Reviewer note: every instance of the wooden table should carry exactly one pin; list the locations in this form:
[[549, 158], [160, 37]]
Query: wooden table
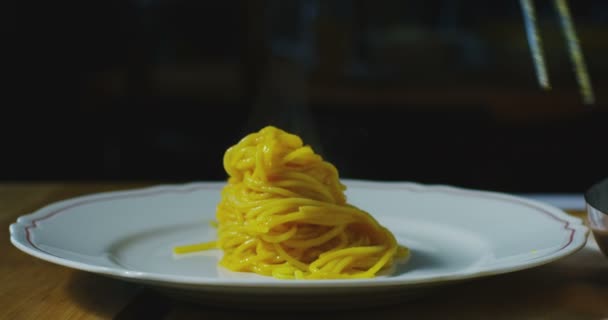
[[573, 288]]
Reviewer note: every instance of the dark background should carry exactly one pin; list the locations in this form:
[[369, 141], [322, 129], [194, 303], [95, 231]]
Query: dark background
[[427, 91]]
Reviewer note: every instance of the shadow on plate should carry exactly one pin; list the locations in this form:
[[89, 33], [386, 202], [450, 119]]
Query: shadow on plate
[[418, 260]]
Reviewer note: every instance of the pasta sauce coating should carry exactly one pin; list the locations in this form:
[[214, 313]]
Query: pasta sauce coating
[[283, 213]]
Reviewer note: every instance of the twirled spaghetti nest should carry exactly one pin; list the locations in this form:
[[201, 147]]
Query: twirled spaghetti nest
[[283, 213]]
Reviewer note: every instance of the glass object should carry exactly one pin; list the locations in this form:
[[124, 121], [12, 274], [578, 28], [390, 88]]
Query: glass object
[[596, 200]]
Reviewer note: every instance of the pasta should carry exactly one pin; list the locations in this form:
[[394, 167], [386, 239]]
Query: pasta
[[283, 213]]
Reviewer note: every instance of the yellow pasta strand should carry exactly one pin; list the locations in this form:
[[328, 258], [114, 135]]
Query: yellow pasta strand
[[283, 213], [194, 247]]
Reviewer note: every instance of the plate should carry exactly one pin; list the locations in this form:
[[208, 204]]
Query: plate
[[454, 234]]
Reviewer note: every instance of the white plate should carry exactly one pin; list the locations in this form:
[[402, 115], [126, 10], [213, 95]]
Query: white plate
[[454, 234]]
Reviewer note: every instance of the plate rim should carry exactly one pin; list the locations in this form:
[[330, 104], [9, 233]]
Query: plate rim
[[20, 236]]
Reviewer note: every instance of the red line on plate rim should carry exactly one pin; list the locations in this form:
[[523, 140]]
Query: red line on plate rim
[[480, 194], [410, 187], [126, 194]]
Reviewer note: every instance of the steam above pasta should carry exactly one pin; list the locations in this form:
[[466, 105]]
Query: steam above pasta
[[283, 213]]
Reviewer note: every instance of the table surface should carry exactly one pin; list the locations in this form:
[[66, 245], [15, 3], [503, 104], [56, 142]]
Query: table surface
[[575, 287]]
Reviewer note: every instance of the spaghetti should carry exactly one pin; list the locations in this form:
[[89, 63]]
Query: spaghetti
[[283, 213]]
